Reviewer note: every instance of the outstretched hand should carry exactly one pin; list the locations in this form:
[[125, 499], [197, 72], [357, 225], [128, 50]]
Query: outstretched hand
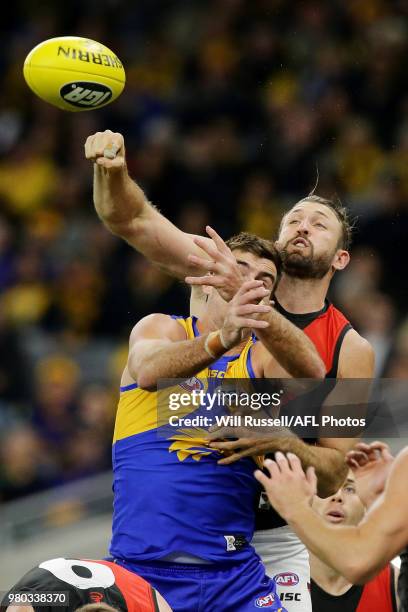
[[288, 487], [223, 271], [371, 464]]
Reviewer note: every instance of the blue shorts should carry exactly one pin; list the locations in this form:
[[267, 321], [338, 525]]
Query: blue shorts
[[243, 587]]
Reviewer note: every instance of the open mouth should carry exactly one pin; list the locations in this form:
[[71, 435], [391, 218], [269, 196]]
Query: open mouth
[[301, 243]]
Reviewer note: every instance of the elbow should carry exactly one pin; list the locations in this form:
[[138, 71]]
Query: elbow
[[312, 370], [358, 571], [317, 370], [122, 229], [146, 381]]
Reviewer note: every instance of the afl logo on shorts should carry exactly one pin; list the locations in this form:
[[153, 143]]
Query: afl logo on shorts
[[286, 579], [85, 94], [265, 602]]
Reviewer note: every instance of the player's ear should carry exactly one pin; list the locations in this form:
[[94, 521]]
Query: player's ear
[[341, 259]]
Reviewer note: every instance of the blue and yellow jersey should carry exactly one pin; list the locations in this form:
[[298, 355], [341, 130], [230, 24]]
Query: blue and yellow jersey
[[170, 495]]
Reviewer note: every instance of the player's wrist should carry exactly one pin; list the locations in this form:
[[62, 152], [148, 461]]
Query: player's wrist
[[298, 513], [216, 344]]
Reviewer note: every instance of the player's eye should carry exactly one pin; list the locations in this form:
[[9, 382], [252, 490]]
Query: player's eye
[[320, 225], [293, 221], [350, 490]]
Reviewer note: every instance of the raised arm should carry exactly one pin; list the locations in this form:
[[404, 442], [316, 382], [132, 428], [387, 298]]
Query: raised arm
[[124, 209], [358, 553]]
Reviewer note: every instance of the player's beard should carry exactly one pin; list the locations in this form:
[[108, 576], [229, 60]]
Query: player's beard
[[298, 265]]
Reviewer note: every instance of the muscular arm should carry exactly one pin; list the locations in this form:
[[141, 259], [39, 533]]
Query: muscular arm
[[328, 456], [158, 348], [359, 553], [124, 209], [288, 346]]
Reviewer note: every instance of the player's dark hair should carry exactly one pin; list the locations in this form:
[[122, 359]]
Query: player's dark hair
[[261, 247]]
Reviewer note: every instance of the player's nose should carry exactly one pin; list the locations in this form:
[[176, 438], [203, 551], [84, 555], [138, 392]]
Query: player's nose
[[303, 227], [337, 497]]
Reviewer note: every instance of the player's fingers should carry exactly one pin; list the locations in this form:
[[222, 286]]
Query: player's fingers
[[253, 294], [260, 325], [116, 163], [106, 141], [378, 446], [262, 478], [89, 147], [212, 280], [252, 323], [225, 445], [207, 246], [249, 285], [352, 463], [311, 477], [201, 262], [386, 455], [218, 241], [358, 457], [362, 446], [252, 308], [272, 467], [282, 462], [294, 462], [111, 150]]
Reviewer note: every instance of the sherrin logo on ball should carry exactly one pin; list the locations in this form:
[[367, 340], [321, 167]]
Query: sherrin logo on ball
[[74, 73]]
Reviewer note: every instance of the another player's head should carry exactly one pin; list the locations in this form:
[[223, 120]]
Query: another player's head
[[258, 259], [344, 507], [96, 607], [314, 238]]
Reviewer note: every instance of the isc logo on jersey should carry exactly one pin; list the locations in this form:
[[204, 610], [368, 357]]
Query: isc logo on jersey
[[286, 579], [265, 602]]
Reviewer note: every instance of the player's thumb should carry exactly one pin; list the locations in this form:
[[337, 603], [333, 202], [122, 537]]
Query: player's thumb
[[111, 164]]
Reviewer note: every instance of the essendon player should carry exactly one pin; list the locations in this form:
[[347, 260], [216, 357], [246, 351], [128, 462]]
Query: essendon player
[[357, 552], [314, 240], [332, 592], [67, 584]]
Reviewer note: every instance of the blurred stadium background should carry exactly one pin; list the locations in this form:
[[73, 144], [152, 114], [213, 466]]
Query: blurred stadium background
[[230, 108]]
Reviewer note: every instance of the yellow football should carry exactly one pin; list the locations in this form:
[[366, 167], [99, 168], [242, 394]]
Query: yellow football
[[74, 73]]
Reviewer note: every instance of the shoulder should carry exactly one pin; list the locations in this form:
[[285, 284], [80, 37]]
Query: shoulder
[[356, 359], [157, 325]]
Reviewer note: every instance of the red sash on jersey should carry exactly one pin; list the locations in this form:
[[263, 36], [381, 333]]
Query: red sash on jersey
[[137, 593], [379, 593], [327, 332]]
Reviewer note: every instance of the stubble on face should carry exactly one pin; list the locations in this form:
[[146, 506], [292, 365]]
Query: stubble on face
[[304, 265]]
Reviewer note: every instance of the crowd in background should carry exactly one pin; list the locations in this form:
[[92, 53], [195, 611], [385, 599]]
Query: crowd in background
[[232, 110]]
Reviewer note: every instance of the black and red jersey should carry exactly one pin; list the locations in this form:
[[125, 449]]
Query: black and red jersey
[[326, 328], [378, 595], [80, 582]]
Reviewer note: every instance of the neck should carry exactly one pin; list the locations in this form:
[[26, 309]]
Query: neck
[[301, 296], [327, 578]]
